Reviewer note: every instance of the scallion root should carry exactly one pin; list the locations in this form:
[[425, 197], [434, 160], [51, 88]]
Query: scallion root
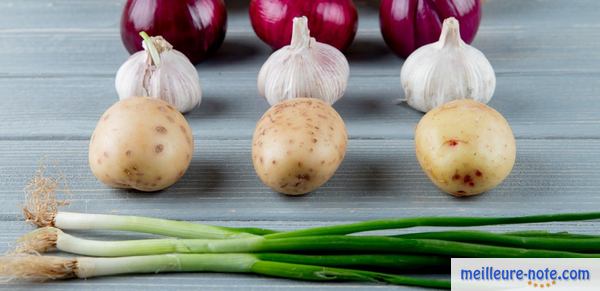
[[38, 241], [41, 204], [31, 267]]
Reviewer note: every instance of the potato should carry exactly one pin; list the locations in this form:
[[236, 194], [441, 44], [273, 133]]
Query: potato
[[298, 145], [141, 143], [465, 147]]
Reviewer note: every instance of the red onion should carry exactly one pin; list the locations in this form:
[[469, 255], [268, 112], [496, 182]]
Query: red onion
[[330, 21], [194, 27], [409, 24]]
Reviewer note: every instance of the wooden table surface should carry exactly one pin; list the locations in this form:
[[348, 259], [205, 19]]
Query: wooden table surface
[[58, 59]]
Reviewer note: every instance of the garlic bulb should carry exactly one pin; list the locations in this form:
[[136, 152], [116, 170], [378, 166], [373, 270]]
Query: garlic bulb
[[160, 72], [447, 70], [305, 68]]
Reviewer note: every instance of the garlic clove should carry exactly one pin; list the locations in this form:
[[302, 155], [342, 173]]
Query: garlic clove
[[447, 70], [305, 68], [161, 72]]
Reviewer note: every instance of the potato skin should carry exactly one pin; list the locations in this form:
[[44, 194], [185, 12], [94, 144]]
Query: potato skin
[[465, 147], [141, 143], [298, 145]]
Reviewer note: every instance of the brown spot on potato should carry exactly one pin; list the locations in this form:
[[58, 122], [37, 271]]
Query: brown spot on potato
[[161, 129], [128, 153], [180, 173], [105, 154], [471, 184], [314, 140], [461, 192], [159, 148], [452, 142], [170, 119], [322, 162], [304, 177], [274, 162], [284, 185], [456, 177], [300, 164], [478, 173], [99, 161], [183, 129], [162, 109], [127, 172], [170, 107], [467, 179]]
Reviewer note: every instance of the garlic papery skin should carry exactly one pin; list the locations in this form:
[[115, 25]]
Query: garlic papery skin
[[161, 72], [305, 68], [447, 70]]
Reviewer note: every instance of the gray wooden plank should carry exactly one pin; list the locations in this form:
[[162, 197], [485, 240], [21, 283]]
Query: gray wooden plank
[[56, 71], [550, 106], [379, 178]]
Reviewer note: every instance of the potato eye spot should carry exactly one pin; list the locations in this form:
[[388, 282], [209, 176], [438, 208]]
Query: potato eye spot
[[159, 148]]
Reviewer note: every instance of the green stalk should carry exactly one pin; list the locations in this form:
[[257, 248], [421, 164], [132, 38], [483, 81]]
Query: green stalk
[[543, 233], [482, 237], [155, 56], [396, 263], [317, 273], [431, 221], [356, 244], [234, 263]]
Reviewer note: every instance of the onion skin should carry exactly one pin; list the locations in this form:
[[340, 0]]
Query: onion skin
[[194, 27], [333, 22], [407, 25]]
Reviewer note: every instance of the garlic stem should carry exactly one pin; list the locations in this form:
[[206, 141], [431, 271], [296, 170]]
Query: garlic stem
[[155, 56], [450, 35], [300, 33]]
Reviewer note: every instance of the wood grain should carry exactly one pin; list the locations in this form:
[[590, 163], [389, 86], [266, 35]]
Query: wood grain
[[57, 64]]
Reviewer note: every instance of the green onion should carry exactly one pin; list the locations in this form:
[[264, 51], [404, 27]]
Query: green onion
[[347, 244], [172, 228], [48, 267]]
